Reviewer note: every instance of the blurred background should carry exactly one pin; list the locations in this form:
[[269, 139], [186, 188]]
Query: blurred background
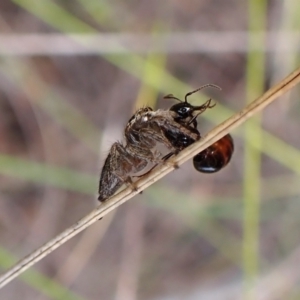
[[71, 75]]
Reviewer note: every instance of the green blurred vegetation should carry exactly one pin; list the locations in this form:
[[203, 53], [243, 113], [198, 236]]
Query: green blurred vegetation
[[151, 71]]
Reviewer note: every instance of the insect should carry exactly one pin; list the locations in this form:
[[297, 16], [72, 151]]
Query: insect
[[216, 156], [143, 132], [175, 129]]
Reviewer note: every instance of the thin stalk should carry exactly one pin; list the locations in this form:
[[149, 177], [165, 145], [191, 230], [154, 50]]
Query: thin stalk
[[159, 172]]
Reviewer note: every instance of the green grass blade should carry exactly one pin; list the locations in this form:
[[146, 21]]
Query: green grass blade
[[47, 175], [55, 15], [252, 189]]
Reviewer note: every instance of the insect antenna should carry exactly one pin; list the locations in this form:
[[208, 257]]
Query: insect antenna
[[201, 88], [171, 96]]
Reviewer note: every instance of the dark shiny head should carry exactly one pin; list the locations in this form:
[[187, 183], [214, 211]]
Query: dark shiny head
[[183, 110], [187, 113], [215, 157]]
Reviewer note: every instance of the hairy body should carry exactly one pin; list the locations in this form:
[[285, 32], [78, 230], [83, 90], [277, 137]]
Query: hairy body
[[144, 131], [175, 129]]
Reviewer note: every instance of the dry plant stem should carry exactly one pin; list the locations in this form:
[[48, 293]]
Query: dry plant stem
[[105, 207]]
